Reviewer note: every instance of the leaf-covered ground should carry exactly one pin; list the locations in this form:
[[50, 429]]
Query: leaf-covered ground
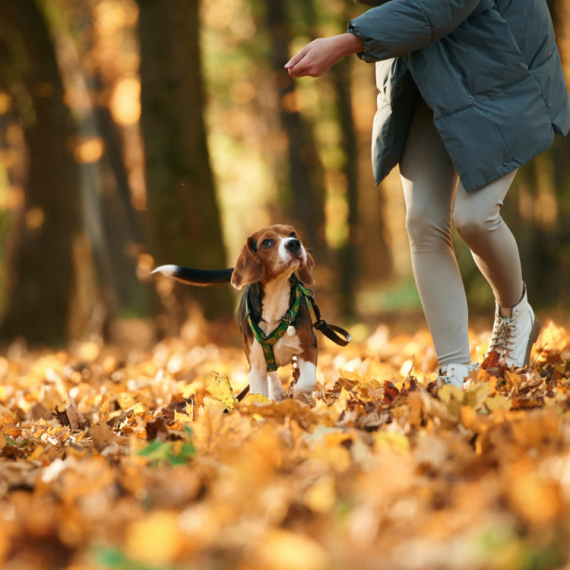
[[126, 460]]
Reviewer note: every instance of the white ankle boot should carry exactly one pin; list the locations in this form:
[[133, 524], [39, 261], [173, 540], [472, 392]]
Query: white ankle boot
[[514, 336], [455, 374]]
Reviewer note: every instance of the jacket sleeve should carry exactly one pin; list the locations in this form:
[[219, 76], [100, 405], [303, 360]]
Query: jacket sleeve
[[399, 27]]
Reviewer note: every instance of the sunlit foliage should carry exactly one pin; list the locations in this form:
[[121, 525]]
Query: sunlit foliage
[[126, 459]]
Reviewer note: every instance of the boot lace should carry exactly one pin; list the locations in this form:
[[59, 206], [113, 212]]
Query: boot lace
[[503, 338]]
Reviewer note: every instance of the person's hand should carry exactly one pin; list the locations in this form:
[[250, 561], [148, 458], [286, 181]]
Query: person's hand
[[321, 54]]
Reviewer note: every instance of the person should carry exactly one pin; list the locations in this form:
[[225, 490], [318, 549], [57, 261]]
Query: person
[[469, 90]]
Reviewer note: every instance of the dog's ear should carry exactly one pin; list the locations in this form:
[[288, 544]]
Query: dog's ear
[[305, 273], [249, 268]]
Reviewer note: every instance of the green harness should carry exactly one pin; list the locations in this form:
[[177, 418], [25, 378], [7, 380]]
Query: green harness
[[268, 342]]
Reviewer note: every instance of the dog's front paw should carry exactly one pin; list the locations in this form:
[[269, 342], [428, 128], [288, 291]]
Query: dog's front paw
[[277, 394]]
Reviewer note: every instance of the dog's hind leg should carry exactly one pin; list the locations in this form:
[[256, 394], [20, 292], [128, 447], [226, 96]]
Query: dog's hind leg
[[276, 391]]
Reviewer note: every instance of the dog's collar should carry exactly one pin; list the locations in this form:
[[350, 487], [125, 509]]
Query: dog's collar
[[268, 341]]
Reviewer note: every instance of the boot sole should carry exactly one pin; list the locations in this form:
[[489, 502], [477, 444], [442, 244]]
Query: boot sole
[[533, 338]]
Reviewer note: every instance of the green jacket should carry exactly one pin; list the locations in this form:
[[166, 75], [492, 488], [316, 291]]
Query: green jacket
[[489, 70]]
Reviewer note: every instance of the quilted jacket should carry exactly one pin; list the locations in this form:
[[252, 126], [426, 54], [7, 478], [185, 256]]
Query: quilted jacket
[[489, 70]]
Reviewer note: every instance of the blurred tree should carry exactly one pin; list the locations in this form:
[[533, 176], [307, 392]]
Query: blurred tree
[[339, 79], [305, 206], [349, 251], [183, 210], [41, 264], [113, 226]]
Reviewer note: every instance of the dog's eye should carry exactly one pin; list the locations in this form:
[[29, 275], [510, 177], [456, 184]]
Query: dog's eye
[[293, 235], [266, 244]]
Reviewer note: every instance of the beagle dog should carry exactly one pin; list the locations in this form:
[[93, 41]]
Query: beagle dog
[[274, 313]]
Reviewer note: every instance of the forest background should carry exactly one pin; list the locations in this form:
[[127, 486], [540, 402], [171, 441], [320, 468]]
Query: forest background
[[135, 134], [140, 133]]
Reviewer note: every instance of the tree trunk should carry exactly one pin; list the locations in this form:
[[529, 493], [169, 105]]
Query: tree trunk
[[306, 188], [183, 211], [349, 252], [40, 288], [361, 195]]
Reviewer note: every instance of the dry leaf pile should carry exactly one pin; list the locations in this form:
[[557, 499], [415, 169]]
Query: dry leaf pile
[[113, 460]]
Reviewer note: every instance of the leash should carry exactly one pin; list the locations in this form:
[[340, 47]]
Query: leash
[[332, 332]]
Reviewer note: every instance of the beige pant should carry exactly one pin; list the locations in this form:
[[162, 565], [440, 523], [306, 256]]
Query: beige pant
[[430, 183]]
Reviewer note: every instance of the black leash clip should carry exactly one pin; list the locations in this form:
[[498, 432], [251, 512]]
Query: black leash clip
[[337, 334]]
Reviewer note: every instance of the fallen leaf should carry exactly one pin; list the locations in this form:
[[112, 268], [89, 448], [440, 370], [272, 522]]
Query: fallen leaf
[[221, 389]]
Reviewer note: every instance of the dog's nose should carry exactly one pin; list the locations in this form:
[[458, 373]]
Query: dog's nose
[[293, 245]]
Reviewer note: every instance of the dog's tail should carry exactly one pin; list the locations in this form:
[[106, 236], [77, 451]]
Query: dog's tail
[[200, 277]]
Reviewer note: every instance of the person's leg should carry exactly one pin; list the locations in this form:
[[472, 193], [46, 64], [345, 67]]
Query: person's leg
[[495, 251], [493, 246], [429, 182]]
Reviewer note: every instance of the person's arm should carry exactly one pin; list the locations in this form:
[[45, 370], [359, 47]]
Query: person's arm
[[393, 29], [321, 54]]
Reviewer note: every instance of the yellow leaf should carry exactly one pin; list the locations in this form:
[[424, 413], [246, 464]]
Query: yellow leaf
[[482, 375], [138, 409], [452, 397], [345, 395], [104, 407], [221, 389], [448, 393], [498, 402], [256, 399], [183, 418], [476, 394], [513, 380], [351, 376]]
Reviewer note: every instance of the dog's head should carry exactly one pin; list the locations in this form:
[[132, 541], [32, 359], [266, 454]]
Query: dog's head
[[270, 253]]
